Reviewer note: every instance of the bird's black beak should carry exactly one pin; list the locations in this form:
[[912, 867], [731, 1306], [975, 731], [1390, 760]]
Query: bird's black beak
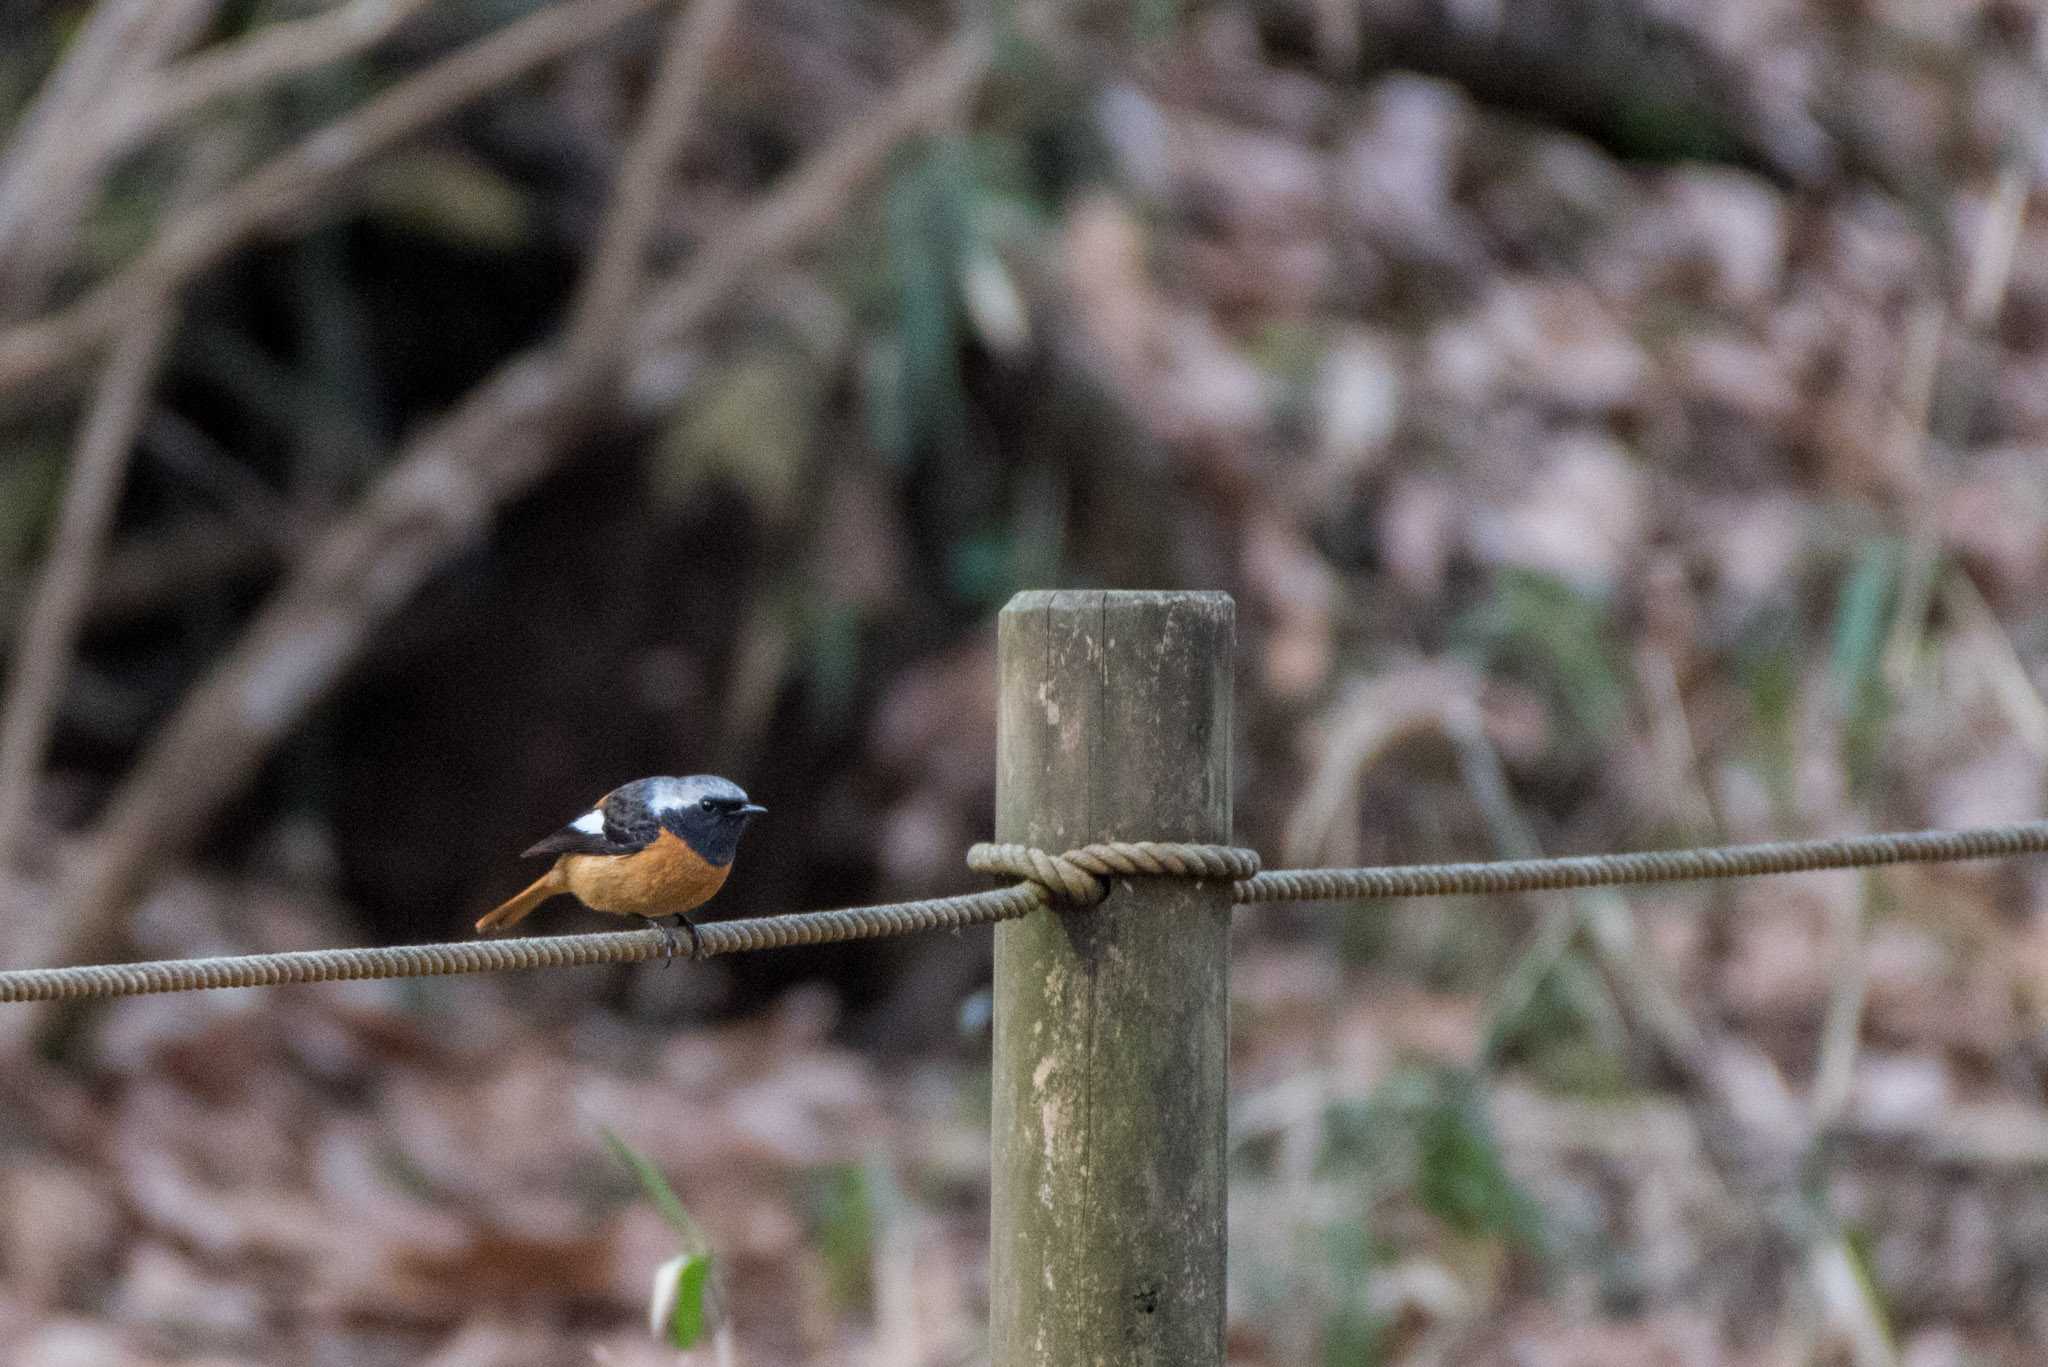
[[752, 809]]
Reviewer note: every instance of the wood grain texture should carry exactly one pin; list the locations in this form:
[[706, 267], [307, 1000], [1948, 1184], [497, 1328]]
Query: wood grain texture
[[1111, 1025]]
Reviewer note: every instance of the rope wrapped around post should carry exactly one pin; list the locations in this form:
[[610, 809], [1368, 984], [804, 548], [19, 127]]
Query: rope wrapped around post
[[1081, 877]]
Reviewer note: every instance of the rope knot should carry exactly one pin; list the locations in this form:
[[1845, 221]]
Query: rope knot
[[1080, 877]]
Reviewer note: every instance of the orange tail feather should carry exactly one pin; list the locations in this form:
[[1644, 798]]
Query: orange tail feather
[[514, 910]]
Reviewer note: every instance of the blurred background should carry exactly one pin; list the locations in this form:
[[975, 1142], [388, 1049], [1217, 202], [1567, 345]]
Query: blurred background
[[1621, 423]]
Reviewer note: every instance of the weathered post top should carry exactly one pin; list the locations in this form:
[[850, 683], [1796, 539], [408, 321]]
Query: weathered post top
[[1107, 1224]]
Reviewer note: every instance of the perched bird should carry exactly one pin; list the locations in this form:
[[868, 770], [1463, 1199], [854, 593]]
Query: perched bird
[[654, 847]]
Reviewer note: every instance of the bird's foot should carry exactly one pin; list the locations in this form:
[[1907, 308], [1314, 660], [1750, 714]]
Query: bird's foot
[[696, 940], [669, 944]]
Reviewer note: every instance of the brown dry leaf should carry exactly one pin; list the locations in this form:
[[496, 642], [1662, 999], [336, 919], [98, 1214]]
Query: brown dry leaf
[[489, 1342], [1439, 1027], [1357, 408], [1756, 549], [221, 1218], [1716, 234], [1397, 171], [1558, 342], [493, 1266], [808, 1110], [627, 1350], [1265, 201], [1897, 1093], [1170, 364], [162, 1290], [79, 1343], [515, 1122], [1995, 518], [2002, 783], [250, 1141], [1583, 516], [59, 1229], [393, 1256], [1418, 526], [1781, 960], [1296, 594], [1744, 376], [1543, 1337]]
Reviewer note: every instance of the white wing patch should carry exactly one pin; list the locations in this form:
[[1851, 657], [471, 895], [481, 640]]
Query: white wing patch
[[590, 823]]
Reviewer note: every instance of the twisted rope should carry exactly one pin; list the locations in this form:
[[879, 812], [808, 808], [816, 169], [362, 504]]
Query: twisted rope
[[492, 956], [1655, 866], [1077, 878]]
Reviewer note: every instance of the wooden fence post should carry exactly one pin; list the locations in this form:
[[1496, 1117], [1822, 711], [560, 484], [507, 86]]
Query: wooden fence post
[[1107, 1226]]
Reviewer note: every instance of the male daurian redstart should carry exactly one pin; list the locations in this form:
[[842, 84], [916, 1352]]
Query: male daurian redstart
[[655, 847]]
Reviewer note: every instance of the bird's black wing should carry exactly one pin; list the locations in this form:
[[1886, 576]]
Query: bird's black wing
[[629, 823], [586, 836], [571, 840]]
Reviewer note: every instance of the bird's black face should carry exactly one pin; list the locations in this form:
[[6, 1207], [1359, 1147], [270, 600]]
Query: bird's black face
[[709, 815]]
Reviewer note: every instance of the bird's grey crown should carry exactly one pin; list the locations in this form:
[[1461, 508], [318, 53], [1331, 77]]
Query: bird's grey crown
[[675, 794]]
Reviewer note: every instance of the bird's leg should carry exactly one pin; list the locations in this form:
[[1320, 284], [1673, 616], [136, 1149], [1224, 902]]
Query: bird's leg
[[668, 939], [684, 922]]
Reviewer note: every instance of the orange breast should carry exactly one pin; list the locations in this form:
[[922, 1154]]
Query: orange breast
[[666, 877]]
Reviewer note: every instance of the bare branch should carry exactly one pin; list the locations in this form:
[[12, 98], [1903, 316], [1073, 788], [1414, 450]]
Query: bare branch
[[272, 54], [818, 192], [152, 573], [99, 465], [44, 185], [88, 68], [597, 324], [444, 486], [293, 182], [43, 655]]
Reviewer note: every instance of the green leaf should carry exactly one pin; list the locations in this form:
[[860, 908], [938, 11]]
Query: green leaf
[[1863, 610], [751, 425], [658, 1190], [845, 1218], [1767, 662], [676, 1309], [1354, 1330], [1543, 628], [929, 217], [31, 484], [1461, 1177], [455, 198]]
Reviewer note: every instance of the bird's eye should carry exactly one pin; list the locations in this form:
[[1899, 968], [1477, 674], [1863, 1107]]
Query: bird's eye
[[709, 805]]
